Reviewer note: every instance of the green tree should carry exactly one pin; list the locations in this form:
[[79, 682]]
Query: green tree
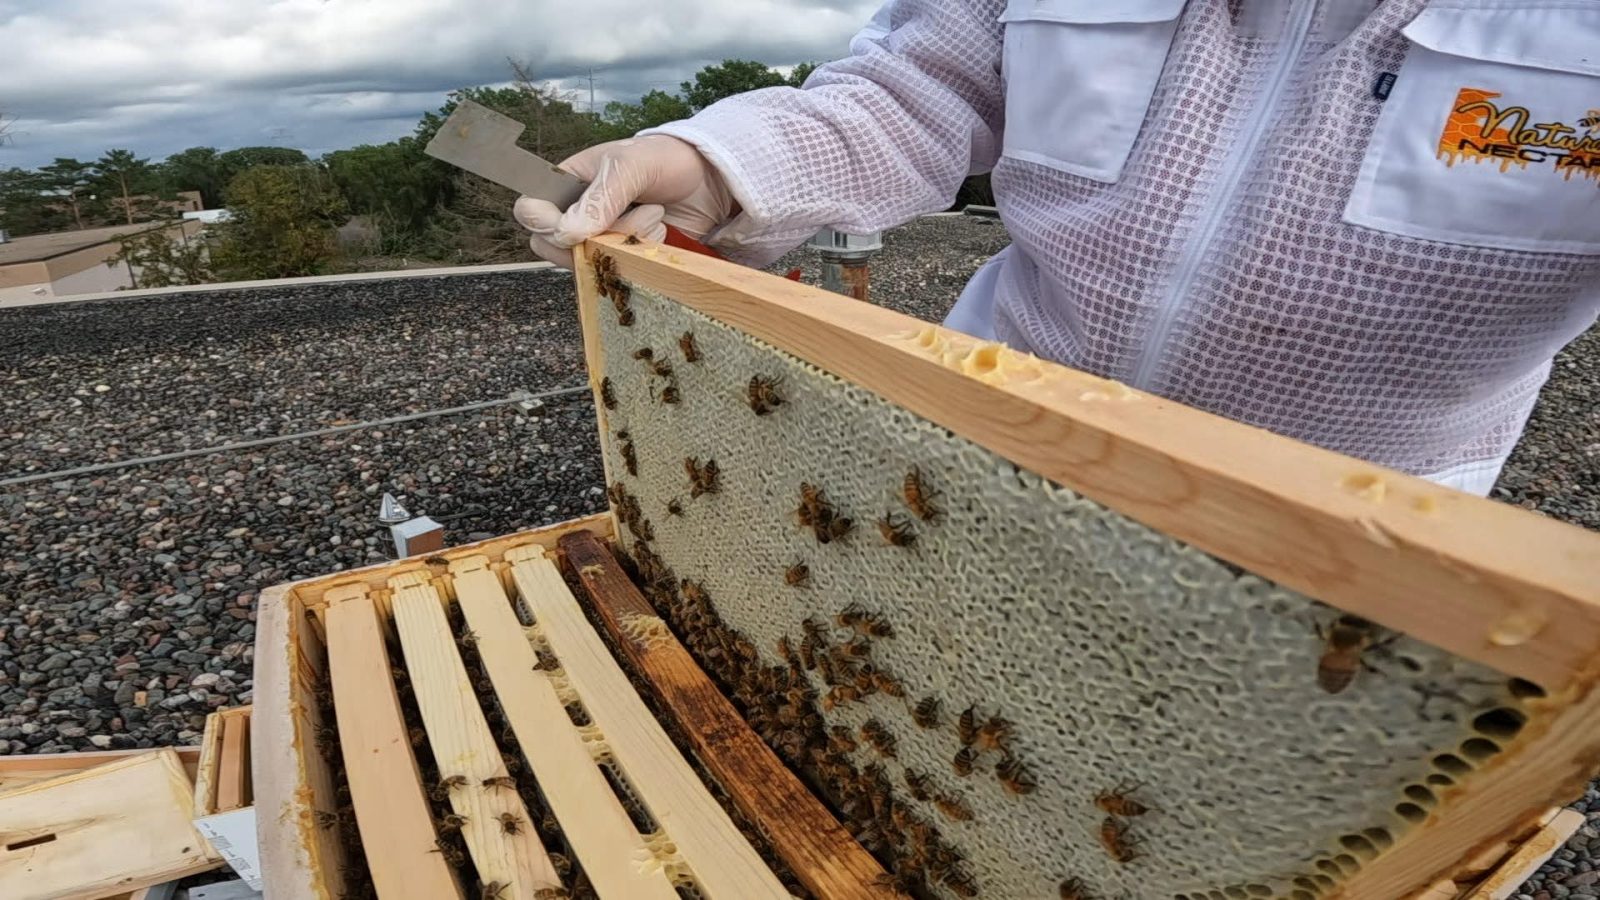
[[396, 185], [727, 78], [233, 163], [124, 175], [797, 78], [195, 169], [283, 223], [28, 204], [622, 120], [158, 260], [71, 182]]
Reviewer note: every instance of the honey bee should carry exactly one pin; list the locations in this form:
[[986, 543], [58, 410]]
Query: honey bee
[[452, 822], [494, 890], [691, 353], [840, 740], [441, 791], [500, 781], [797, 575], [630, 456], [1015, 776], [661, 368], [839, 695], [874, 733], [1116, 802], [785, 649], [703, 479], [670, 395], [644, 353], [1114, 838], [836, 528], [694, 593], [450, 852], [326, 820], [763, 395], [886, 684], [918, 497], [551, 893], [417, 736], [814, 508], [926, 713], [808, 650], [856, 648], [896, 531], [562, 865], [994, 734], [512, 764], [436, 561], [961, 884], [1073, 889], [967, 726], [510, 823], [906, 881], [917, 783], [674, 508], [468, 639], [1346, 643], [608, 393], [953, 808]]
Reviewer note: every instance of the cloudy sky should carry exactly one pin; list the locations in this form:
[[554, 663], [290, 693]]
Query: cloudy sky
[[157, 76]]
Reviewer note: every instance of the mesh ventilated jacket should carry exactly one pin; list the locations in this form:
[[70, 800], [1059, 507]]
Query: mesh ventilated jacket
[[1365, 225]]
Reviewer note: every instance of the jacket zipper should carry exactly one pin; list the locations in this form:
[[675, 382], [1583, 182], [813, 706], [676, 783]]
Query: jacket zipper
[[1296, 31]]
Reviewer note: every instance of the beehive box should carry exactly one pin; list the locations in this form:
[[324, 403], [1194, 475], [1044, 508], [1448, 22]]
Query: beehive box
[[1033, 634]]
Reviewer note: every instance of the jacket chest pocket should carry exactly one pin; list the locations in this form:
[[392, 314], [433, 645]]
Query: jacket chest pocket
[[1079, 76], [1491, 136]]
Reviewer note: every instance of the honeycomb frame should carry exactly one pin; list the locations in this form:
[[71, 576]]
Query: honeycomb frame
[[1482, 582]]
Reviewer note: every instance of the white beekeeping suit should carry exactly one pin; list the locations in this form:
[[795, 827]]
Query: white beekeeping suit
[[1369, 226]]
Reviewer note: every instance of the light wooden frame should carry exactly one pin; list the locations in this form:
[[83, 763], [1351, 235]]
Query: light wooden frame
[[1506, 588]]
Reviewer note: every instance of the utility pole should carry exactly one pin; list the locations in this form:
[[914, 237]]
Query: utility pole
[[591, 91]]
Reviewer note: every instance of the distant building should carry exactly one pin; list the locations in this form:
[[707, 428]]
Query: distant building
[[42, 266]]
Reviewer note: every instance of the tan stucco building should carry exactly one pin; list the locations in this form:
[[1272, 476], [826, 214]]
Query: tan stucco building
[[44, 266]]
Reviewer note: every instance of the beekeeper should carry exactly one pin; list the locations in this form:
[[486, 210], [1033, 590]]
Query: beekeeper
[[1366, 225]]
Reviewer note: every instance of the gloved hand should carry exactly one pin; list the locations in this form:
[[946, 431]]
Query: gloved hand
[[671, 181]]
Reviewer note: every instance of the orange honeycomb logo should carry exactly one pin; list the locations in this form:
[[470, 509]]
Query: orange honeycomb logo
[[1481, 130]]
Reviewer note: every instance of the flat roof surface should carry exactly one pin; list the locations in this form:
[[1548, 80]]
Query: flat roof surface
[[36, 247]]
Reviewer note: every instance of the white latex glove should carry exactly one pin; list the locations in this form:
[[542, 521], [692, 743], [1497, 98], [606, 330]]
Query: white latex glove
[[669, 179]]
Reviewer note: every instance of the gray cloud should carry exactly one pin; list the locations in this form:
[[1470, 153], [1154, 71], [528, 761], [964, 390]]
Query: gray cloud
[[157, 76]]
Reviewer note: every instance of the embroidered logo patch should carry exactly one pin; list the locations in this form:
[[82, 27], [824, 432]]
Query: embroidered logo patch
[[1480, 129]]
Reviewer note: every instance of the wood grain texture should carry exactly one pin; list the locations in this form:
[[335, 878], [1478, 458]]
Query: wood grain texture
[[463, 745], [1512, 590], [310, 592], [604, 839], [826, 859], [30, 768], [118, 827], [723, 863], [594, 357], [298, 860], [205, 780], [233, 764], [1527, 858], [391, 809]]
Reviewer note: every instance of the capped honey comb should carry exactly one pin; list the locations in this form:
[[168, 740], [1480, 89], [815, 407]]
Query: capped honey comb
[[1117, 655]]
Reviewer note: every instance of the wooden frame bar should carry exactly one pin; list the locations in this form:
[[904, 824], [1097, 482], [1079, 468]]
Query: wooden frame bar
[[233, 766], [1515, 591], [29, 768], [820, 851], [590, 814], [721, 860], [298, 859], [1511, 590], [391, 810], [463, 746]]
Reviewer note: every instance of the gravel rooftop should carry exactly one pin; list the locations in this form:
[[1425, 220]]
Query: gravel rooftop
[[127, 596]]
